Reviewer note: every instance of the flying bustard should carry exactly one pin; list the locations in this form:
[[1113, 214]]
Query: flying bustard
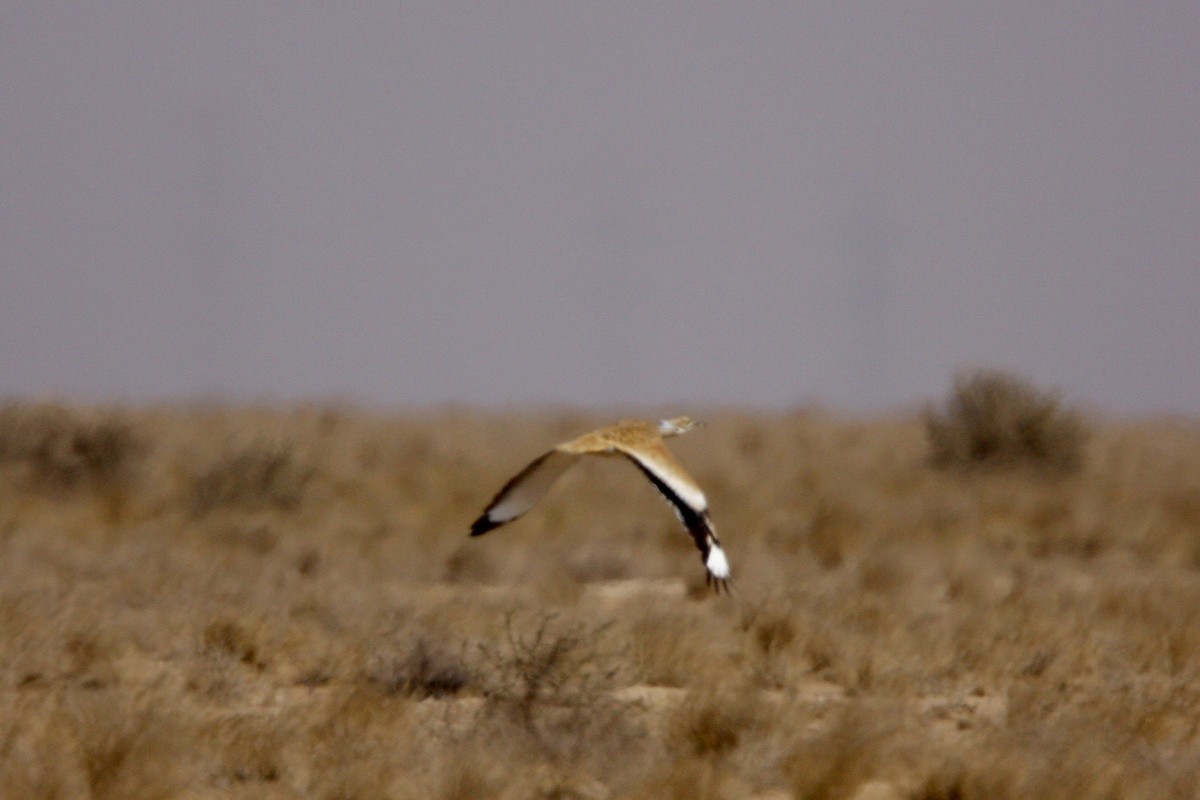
[[640, 442]]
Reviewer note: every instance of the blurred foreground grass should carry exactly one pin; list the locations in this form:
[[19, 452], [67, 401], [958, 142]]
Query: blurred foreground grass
[[276, 603]]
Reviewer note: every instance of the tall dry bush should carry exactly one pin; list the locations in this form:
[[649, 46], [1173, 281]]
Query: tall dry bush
[[550, 682], [995, 419], [256, 476], [61, 449]]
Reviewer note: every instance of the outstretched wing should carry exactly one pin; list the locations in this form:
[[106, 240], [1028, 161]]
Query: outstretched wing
[[673, 482], [523, 490]]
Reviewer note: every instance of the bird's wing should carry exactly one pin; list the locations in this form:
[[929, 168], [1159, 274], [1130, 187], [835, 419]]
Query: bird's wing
[[673, 482], [523, 490]]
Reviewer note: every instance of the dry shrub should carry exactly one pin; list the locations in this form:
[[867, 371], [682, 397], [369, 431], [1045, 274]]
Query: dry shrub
[[359, 743], [1074, 756], [551, 684], [770, 634], [671, 647], [123, 751], [995, 419], [554, 662], [713, 722], [227, 638], [257, 476], [857, 747], [32, 725], [248, 749], [421, 669], [59, 449], [90, 657], [771, 629]]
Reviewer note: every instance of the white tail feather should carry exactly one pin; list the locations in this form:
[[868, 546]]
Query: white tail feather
[[717, 564]]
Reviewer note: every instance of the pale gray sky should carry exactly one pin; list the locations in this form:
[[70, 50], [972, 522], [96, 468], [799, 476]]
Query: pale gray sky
[[761, 204]]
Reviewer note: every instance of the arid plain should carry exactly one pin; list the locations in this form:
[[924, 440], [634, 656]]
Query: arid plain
[[202, 602]]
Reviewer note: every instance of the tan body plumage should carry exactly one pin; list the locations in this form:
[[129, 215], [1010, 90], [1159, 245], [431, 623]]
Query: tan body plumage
[[642, 443]]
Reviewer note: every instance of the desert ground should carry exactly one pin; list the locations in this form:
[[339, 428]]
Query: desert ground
[[257, 602]]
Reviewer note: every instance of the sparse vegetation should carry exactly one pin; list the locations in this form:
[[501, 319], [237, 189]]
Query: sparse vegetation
[[713, 723], [310, 619], [996, 419], [57, 449], [227, 638], [552, 685], [424, 669], [253, 477]]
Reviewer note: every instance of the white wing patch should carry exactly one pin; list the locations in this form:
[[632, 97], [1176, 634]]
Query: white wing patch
[[659, 462]]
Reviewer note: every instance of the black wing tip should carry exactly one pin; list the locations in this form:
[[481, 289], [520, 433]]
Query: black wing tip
[[483, 525]]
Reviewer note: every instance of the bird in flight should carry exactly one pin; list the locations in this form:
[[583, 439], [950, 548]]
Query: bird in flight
[[640, 442]]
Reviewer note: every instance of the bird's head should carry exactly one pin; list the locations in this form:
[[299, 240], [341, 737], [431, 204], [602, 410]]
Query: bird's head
[[676, 426]]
